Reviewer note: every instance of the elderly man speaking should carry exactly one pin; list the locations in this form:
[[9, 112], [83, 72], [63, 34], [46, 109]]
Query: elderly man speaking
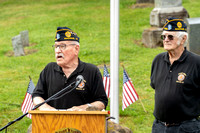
[[57, 75], [175, 76]]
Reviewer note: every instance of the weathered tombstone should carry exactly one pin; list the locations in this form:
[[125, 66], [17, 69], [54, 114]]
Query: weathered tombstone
[[145, 1], [25, 38], [165, 9], [17, 46], [151, 37], [193, 30]]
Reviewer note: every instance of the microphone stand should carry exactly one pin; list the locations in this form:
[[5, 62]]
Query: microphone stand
[[53, 97]]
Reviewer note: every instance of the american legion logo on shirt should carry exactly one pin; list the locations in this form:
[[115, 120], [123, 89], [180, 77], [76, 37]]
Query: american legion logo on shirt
[[181, 77], [81, 85]]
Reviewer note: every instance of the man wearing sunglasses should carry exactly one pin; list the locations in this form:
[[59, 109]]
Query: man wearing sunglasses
[[60, 74], [175, 76]]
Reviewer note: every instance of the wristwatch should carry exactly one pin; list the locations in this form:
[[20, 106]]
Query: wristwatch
[[89, 105]]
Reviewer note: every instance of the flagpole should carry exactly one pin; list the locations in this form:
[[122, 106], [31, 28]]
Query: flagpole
[[138, 98], [114, 59], [142, 106]]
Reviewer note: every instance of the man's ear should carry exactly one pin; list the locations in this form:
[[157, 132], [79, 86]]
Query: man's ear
[[184, 39], [77, 47]]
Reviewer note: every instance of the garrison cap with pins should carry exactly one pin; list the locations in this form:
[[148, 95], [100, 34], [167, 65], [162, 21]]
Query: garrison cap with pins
[[65, 34], [175, 24]]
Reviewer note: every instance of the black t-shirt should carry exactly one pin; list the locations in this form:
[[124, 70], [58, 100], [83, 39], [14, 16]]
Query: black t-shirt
[[52, 79], [177, 87]]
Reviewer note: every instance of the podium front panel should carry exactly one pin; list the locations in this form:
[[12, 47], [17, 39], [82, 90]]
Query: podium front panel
[[68, 121]]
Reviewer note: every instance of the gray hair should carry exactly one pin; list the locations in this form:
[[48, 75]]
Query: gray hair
[[77, 43], [181, 35]]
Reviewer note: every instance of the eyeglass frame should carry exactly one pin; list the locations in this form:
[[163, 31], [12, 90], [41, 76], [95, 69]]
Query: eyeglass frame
[[55, 46]]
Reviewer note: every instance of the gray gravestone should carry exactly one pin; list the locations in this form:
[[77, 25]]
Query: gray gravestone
[[18, 46], [151, 37], [193, 34], [167, 3], [24, 38], [165, 9]]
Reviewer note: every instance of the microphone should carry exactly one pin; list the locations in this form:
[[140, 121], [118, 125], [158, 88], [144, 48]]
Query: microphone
[[79, 79], [56, 96]]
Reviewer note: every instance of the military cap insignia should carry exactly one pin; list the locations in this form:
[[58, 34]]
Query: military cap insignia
[[58, 36], [169, 27], [68, 34], [179, 25]]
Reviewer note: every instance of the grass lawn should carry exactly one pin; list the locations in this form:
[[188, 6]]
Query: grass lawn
[[91, 20]]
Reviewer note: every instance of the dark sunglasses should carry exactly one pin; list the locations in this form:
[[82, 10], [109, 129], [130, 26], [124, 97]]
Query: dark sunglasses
[[170, 37]]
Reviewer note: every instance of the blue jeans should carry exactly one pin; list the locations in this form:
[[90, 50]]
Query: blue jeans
[[190, 126]]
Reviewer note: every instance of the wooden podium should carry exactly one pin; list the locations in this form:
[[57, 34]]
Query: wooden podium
[[68, 121]]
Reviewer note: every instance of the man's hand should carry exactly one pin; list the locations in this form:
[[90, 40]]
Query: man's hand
[[38, 100], [78, 108], [98, 104]]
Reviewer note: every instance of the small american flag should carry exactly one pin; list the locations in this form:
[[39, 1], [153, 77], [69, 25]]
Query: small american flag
[[106, 81], [129, 93], [27, 103]]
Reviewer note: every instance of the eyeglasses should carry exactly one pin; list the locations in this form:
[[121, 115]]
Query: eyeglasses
[[61, 46], [170, 37]]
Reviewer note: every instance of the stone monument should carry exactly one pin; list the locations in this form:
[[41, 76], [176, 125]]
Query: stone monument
[[25, 38], [151, 37], [163, 10], [18, 46], [193, 29]]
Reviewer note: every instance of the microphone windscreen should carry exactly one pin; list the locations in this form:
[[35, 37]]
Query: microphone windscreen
[[79, 78]]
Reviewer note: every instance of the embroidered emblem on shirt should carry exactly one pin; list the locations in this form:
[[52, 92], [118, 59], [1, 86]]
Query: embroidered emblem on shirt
[[81, 85], [181, 77]]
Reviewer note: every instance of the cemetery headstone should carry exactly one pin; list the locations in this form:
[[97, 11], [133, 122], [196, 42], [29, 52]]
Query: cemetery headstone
[[25, 38], [193, 30], [151, 37], [165, 9], [18, 46]]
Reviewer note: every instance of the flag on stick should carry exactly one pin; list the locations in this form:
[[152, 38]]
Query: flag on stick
[[129, 93], [27, 103], [106, 81]]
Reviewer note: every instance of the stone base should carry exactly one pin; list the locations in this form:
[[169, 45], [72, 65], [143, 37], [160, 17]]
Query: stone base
[[116, 128], [158, 16], [151, 37]]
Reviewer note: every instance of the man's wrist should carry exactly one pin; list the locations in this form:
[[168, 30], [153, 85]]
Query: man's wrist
[[89, 105]]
